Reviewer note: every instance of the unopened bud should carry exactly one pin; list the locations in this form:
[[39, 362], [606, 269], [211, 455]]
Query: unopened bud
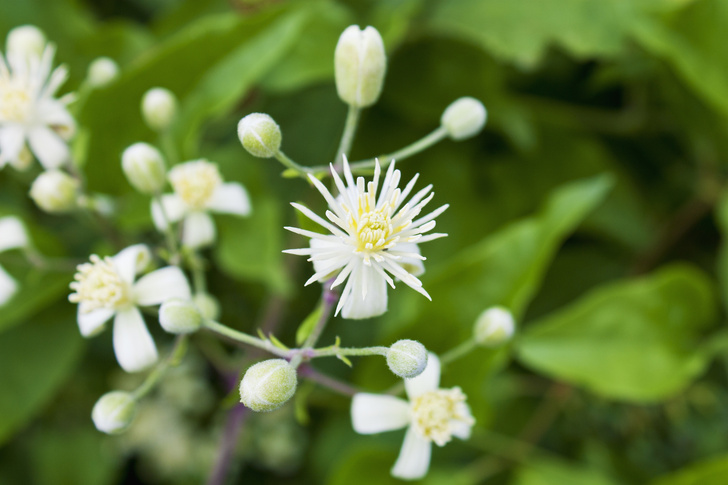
[[55, 191], [494, 327], [208, 305], [179, 316], [159, 106], [267, 385], [407, 358], [464, 118], [25, 41], [114, 412], [360, 63], [143, 166], [260, 135], [102, 71]]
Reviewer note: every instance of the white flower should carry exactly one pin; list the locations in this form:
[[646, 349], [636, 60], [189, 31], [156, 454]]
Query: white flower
[[198, 188], [105, 288], [370, 237], [431, 415], [30, 113], [12, 236]]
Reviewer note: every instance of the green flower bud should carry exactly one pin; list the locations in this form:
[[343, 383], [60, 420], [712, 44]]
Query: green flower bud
[[407, 358], [25, 41], [159, 106], [464, 118], [208, 305], [360, 63], [114, 412], [55, 191], [260, 135], [179, 316], [144, 168], [267, 385], [102, 71], [494, 327]]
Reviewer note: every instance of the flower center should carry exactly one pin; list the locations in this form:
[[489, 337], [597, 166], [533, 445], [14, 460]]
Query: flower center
[[15, 103], [435, 414], [373, 229], [98, 285], [195, 182]]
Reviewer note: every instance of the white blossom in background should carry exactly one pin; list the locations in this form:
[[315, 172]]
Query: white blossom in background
[[29, 112], [371, 238], [12, 236], [106, 288], [432, 415], [198, 190]]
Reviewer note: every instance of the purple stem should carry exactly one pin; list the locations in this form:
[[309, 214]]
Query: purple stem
[[308, 372], [233, 427]]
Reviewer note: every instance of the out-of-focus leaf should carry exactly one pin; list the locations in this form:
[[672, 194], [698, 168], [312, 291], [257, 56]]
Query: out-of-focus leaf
[[543, 471], [38, 290], [708, 472], [307, 326], [633, 340], [721, 216], [35, 358]]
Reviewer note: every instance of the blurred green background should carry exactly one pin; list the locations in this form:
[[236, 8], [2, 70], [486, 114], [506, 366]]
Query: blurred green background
[[593, 206]]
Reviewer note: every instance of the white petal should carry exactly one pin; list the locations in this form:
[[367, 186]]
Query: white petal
[[133, 345], [92, 323], [12, 233], [461, 428], [8, 286], [368, 296], [51, 112], [198, 230], [374, 413], [174, 209], [428, 381], [413, 266], [160, 285], [230, 198], [49, 148], [131, 261], [414, 457], [12, 138]]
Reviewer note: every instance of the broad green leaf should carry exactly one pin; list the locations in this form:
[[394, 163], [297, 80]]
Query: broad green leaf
[[36, 358], [708, 472], [634, 340], [543, 471], [307, 326]]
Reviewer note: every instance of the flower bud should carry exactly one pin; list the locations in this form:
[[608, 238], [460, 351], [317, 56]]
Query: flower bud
[[143, 166], [494, 327], [407, 358], [260, 135], [114, 412], [267, 385], [159, 106], [360, 63], [465, 117], [208, 305], [179, 316], [102, 71], [25, 41], [55, 191]]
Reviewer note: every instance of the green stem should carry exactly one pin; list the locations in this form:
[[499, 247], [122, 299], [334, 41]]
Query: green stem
[[173, 359], [347, 138], [358, 352], [169, 235], [458, 352], [406, 152], [244, 338], [197, 265], [300, 170], [329, 298], [166, 141]]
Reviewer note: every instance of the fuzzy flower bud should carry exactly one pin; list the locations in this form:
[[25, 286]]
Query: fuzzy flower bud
[[25, 41], [464, 118], [55, 191], [114, 412], [494, 327], [360, 63], [102, 71], [143, 166], [260, 135], [208, 305], [179, 316], [407, 358], [267, 385], [159, 106]]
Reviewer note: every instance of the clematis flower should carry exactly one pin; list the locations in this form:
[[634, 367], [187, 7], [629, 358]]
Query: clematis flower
[[199, 189], [29, 112], [431, 415], [12, 236], [371, 238], [106, 288]]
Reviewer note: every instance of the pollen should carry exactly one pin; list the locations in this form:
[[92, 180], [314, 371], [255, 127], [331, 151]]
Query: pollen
[[98, 285], [15, 103], [195, 182], [436, 413]]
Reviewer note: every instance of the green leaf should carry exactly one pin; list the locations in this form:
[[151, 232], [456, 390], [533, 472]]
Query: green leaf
[[708, 472], [543, 471], [38, 290], [634, 340], [307, 326]]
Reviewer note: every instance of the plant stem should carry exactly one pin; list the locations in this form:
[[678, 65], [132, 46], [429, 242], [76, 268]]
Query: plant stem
[[458, 352], [169, 235], [244, 338], [233, 427], [329, 298], [354, 351], [291, 165], [178, 351], [347, 138], [406, 152], [308, 372]]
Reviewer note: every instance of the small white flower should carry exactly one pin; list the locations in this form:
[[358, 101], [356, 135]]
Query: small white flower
[[105, 288], [12, 236], [198, 188], [370, 237], [431, 415], [29, 113]]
